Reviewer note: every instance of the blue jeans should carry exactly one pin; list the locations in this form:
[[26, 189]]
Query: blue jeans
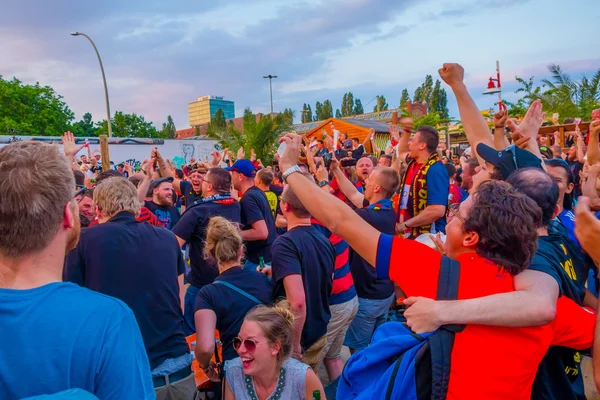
[[371, 314], [189, 327]]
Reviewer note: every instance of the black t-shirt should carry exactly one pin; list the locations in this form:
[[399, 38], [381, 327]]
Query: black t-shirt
[[138, 264], [230, 306], [367, 285], [305, 251], [167, 215], [358, 152], [192, 228], [255, 207], [278, 190], [559, 374], [187, 191]]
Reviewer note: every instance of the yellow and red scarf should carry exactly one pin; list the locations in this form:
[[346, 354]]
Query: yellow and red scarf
[[419, 191]]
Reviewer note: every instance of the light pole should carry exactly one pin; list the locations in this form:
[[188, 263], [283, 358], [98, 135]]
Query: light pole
[[103, 79], [492, 89], [271, 77]]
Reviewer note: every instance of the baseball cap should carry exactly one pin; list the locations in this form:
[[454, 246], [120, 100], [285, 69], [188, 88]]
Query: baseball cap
[[244, 167], [508, 160], [347, 144], [158, 181]]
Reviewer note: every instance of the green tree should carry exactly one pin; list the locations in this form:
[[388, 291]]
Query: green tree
[[381, 104], [318, 111], [168, 129], [348, 105], [323, 110], [288, 114], [358, 107], [338, 114], [85, 127], [403, 99], [306, 113], [560, 94], [32, 110], [261, 135], [425, 91], [438, 102], [327, 109], [128, 125]]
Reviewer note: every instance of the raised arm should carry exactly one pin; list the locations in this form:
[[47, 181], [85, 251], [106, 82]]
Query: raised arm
[[338, 217], [500, 140], [476, 128], [144, 185], [589, 186], [346, 187], [593, 151]]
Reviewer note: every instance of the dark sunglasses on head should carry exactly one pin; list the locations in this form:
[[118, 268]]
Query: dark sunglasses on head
[[79, 190], [249, 344]]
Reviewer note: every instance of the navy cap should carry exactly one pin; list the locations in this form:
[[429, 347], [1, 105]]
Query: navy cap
[[508, 160], [244, 167], [347, 144]]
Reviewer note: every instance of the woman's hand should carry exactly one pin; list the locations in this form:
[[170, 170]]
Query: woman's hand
[[212, 371]]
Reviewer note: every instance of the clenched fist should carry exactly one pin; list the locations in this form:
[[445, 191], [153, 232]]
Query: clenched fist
[[452, 74]]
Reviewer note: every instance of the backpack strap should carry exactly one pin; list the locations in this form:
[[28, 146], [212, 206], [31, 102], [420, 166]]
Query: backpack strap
[[240, 291], [442, 341]]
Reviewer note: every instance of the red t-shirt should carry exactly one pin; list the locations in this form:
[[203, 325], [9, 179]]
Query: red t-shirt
[[488, 362]]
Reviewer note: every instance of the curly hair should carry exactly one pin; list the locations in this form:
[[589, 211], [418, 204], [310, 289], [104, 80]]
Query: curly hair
[[507, 223]]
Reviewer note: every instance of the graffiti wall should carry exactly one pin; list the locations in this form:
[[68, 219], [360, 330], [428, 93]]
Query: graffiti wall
[[135, 150]]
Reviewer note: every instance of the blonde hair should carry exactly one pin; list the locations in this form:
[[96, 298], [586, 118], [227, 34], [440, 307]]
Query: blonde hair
[[115, 195], [276, 323], [223, 241], [36, 183]]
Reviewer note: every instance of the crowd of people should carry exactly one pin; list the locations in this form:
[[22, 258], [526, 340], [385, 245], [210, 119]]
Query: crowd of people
[[106, 276]]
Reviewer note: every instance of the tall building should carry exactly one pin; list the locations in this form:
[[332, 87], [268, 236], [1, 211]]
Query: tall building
[[203, 110]]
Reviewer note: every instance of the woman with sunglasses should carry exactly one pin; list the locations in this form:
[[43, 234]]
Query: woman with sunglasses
[[264, 369], [223, 304]]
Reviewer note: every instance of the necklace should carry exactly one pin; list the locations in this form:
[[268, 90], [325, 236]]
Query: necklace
[[276, 395]]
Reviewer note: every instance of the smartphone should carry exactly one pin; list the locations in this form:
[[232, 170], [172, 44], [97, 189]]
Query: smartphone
[[281, 149], [349, 162]]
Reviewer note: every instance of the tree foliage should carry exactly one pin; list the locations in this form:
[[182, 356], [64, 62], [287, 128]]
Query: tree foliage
[[307, 115], [168, 129], [128, 125], [338, 114], [404, 99], [347, 105], [380, 104], [358, 107], [323, 110], [288, 115], [85, 127], [261, 135], [32, 110], [561, 94]]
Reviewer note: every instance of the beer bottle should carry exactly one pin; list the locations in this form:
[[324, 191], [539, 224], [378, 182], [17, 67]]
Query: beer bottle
[[261, 263], [316, 395]]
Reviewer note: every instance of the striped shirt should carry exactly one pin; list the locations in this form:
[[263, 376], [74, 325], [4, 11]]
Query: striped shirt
[[343, 285]]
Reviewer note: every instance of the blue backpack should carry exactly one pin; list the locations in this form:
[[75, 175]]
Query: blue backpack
[[399, 364]]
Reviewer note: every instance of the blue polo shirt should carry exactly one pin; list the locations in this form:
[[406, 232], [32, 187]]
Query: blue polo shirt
[[138, 264]]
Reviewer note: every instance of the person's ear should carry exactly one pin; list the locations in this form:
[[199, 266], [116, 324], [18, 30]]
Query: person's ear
[[377, 189], [275, 348], [69, 215], [470, 239], [570, 188]]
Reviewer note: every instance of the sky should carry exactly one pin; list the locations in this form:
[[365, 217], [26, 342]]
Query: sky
[[159, 56]]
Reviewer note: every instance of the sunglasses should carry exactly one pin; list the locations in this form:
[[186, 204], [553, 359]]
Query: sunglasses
[[249, 344], [453, 211], [79, 190]]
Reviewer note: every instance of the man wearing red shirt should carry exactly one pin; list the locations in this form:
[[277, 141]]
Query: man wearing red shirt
[[487, 362]]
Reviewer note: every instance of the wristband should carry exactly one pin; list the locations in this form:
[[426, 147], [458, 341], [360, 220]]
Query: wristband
[[323, 183]]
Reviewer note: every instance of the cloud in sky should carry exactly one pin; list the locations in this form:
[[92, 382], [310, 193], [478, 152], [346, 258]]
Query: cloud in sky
[[159, 56]]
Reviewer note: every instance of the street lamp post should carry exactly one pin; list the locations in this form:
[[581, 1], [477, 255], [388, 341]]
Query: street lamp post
[[103, 79], [492, 89], [271, 77]]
